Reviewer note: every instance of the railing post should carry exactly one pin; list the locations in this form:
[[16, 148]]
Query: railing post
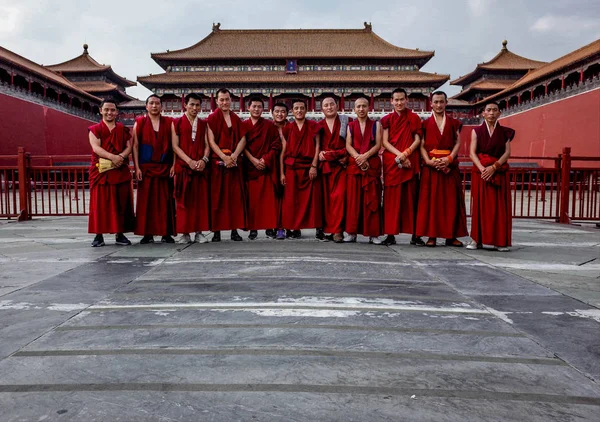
[[23, 164], [565, 185]]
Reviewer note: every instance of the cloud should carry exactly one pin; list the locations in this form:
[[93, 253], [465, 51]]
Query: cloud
[[478, 8], [566, 25], [8, 18]]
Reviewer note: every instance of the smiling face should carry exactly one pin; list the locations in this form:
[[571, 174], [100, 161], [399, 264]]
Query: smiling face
[[192, 108], [361, 108], [109, 112], [256, 109], [330, 107], [279, 114], [438, 103], [153, 106], [399, 101], [299, 110], [224, 101]]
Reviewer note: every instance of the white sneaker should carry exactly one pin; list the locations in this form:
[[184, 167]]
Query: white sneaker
[[185, 238], [350, 238], [375, 240], [474, 245], [502, 248], [200, 238]]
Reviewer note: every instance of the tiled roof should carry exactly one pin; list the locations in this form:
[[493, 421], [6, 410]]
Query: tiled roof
[[486, 85], [291, 44], [135, 103], [553, 68], [503, 61], [96, 86], [301, 77], [454, 102], [42, 72], [86, 64]]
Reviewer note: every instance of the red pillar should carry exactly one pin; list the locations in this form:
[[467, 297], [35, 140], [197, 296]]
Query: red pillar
[[565, 185], [45, 91], [519, 99], [182, 103], [312, 102], [242, 105], [213, 103], [562, 83], [71, 101], [531, 94], [428, 103], [12, 78], [372, 102], [546, 88], [23, 164], [270, 101], [342, 102], [29, 82], [581, 76]]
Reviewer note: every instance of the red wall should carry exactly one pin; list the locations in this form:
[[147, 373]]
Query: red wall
[[544, 131], [41, 130]]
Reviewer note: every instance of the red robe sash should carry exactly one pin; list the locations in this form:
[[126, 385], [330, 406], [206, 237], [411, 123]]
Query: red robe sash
[[194, 149], [115, 142], [300, 149], [226, 138], [333, 145], [402, 127], [155, 149]]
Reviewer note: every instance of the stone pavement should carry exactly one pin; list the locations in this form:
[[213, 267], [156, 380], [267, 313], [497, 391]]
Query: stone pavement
[[298, 330]]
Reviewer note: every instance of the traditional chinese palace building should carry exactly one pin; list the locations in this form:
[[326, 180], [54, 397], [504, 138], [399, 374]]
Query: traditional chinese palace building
[[95, 78], [283, 64]]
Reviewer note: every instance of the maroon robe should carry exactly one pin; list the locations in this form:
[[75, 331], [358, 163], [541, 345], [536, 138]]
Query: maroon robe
[[491, 220], [363, 188], [227, 195], [155, 206], [192, 188], [334, 176], [400, 184], [302, 198], [263, 186], [441, 211], [111, 196]]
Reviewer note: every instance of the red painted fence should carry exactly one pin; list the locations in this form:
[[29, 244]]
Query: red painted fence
[[58, 185]]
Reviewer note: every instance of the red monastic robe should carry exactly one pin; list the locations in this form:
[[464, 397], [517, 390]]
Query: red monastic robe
[[441, 211], [400, 184], [363, 194], [334, 176], [155, 210], [227, 196], [302, 198], [263, 187], [111, 196], [192, 188], [491, 220]]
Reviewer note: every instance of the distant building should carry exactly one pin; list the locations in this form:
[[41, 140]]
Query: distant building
[[282, 64]]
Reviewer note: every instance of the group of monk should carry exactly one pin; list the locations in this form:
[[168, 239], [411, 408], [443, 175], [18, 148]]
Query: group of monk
[[340, 176]]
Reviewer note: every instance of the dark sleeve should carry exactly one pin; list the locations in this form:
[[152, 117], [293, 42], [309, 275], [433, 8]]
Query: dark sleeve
[[385, 121], [96, 130], [126, 133], [509, 133]]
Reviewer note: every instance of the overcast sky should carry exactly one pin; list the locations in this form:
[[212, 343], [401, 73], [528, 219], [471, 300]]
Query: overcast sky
[[462, 32]]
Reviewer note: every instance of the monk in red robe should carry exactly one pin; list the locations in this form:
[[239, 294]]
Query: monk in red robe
[[363, 194], [491, 220], [192, 184], [303, 195], [333, 161], [228, 196], [441, 211], [154, 170], [280, 113], [401, 167], [263, 146], [111, 197]]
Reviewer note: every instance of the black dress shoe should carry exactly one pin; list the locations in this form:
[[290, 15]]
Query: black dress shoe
[[389, 240], [253, 234], [167, 239], [417, 241], [235, 236], [270, 233], [98, 241], [120, 239], [289, 233], [320, 234], [296, 234], [216, 236], [147, 239]]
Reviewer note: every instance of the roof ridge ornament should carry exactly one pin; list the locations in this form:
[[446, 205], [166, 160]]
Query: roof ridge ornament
[[216, 26], [504, 43], [368, 26], [85, 48]]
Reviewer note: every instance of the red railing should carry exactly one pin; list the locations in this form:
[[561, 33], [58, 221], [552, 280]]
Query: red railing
[[58, 185]]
